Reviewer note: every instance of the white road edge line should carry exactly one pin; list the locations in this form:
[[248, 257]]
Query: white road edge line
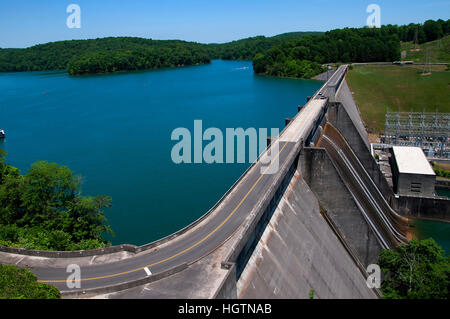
[[149, 273]]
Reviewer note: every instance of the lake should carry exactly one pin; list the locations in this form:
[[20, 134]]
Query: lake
[[439, 231], [115, 131]]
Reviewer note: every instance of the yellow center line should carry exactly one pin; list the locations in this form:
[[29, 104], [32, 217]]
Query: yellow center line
[[306, 115], [189, 248]]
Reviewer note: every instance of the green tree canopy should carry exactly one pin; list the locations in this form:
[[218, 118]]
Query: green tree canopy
[[17, 283], [44, 209], [418, 270]]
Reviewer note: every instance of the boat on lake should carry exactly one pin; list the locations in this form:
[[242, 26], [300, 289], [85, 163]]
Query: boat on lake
[[2, 133]]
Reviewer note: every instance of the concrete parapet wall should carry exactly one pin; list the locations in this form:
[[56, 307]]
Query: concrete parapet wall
[[261, 211], [123, 286], [433, 208], [227, 289], [70, 254]]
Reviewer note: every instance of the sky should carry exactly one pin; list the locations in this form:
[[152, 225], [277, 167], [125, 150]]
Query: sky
[[24, 23]]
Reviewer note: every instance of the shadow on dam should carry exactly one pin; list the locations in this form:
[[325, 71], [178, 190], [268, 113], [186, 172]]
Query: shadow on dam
[[249, 248]]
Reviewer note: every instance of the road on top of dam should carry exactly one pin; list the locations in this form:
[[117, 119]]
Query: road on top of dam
[[212, 232], [202, 240]]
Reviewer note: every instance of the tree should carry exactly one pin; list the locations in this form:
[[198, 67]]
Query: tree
[[418, 270], [433, 30], [17, 283], [259, 63], [422, 37], [44, 209]]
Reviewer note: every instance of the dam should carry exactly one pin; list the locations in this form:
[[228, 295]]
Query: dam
[[312, 226]]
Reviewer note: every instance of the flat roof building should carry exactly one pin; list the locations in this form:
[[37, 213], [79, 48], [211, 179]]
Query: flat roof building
[[411, 172]]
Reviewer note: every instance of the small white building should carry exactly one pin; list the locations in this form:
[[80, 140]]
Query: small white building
[[412, 173]]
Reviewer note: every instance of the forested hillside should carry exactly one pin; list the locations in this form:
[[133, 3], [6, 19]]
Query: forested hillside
[[127, 53], [148, 54], [103, 55], [303, 57], [429, 31], [246, 49], [294, 54]]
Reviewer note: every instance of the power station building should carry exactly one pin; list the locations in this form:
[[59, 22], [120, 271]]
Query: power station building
[[411, 172]]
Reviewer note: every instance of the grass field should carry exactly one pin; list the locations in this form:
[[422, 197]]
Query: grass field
[[378, 89], [439, 51], [444, 166]]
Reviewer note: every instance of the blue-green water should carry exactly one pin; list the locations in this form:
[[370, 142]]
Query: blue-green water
[[443, 192], [439, 231], [115, 131]]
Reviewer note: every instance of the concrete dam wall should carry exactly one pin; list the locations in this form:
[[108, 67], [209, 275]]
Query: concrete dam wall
[[298, 253], [387, 221], [346, 119], [329, 188]]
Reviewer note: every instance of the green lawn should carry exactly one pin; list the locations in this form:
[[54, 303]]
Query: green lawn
[[439, 51], [381, 88]]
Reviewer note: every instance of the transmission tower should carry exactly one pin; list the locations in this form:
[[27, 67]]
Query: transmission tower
[[416, 38], [427, 65]]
